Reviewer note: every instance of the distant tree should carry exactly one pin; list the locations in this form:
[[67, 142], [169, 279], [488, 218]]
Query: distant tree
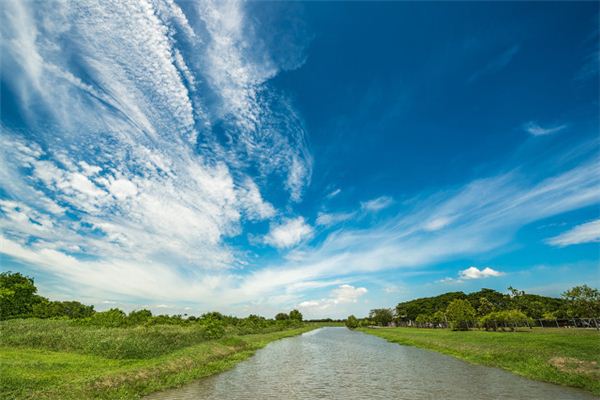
[[381, 316], [423, 319], [485, 306], [70, 309], [139, 317], [438, 318], [17, 295], [282, 317], [582, 302], [510, 319], [352, 322], [296, 315], [460, 314]]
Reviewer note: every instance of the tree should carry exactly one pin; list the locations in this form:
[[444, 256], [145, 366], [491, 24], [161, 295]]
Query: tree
[[139, 317], [438, 318], [381, 316], [485, 306], [52, 309], [17, 295], [296, 315], [352, 322], [582, 302], [282, 317], [460, 314], [504, 319]]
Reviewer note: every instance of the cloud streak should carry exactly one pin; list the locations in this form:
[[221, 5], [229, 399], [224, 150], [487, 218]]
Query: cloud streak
[[584, 233]]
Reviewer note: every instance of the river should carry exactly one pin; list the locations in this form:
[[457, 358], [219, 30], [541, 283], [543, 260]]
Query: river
[[336, 363]]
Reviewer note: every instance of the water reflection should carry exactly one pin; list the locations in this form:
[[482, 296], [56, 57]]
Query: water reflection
[[336, 363]]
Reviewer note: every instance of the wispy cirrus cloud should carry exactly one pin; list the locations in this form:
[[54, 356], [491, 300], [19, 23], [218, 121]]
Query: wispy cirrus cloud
[[496, 64], [377, 204], [588, 232], [533, 128], [136, 139]]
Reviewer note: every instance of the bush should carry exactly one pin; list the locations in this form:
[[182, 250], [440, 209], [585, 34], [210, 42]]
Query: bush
[[352, 322], [113, 318], [296, 315], [461, 315], [282, 316], [504, 319]]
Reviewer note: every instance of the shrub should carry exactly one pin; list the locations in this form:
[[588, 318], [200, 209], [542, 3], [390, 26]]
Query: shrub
[[296, 315], [504, 319], [113, 318], [460, 314], [282, 316], [352, 322]]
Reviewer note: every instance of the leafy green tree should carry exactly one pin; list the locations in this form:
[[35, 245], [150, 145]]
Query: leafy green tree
[[504, 319], [352, 322], [582, 302], [17, 295], [438, 317], [139, 317], [282, 317], [296, 315], [381, 316], [423, 319], [460, 314], [485, 306], [70, 309]]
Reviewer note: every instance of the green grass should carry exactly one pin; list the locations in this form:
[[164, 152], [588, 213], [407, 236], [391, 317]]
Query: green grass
[[568, 357], [36, 362]]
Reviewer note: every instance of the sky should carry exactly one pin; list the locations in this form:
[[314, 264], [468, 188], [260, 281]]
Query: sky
[[331, 157]]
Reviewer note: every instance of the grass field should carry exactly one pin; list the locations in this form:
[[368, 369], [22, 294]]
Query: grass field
[[564, 356], [49, 359]]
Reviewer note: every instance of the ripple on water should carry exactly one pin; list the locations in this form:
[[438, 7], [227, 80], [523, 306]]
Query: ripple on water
[[336, 363]]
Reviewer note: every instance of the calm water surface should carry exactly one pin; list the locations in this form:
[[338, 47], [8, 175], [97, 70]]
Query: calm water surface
[[336, 363]]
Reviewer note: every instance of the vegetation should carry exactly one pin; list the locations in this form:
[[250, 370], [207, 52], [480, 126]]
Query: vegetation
[[504, 319], [563, 356], [381, 316], [460, 313], [61, 359], [51, 349], [487, 305], [352, 322]]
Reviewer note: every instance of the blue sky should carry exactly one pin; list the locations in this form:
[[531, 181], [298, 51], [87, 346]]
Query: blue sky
[[331, 157]]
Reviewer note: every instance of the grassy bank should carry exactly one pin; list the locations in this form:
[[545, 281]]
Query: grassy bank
[[49, 359], [564, 356]]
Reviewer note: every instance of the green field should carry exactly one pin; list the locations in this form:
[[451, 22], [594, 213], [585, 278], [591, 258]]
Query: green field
[[58, 359], [564, 356]]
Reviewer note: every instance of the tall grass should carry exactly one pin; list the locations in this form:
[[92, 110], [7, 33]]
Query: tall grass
[[137, 342]]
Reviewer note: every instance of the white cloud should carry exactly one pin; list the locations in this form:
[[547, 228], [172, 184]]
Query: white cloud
[[377, 204], [344, 294], [476, 273], [437, 223], [584, 233], [533, 128], [253, 203], [333, 193], [329, 219], [289, 233]]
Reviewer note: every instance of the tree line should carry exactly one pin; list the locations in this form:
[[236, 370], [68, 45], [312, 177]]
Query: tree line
[[486, 308], [19, 299]]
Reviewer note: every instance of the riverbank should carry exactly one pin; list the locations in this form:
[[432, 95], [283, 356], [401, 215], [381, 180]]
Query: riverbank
[[39, 371], [568, 357]]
